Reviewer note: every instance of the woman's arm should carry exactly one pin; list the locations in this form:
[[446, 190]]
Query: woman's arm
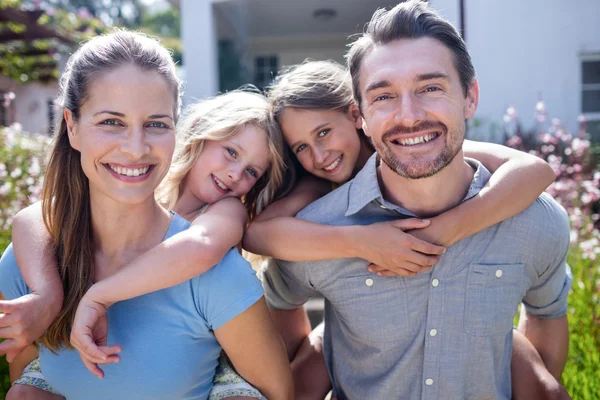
[[183, 256], [257, 351], [32, 314], [277, 233], [518, 179]]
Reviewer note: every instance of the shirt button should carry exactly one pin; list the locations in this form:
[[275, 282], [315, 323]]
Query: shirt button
[[433, 332], [429, 382], [369, 282], [499, 273], [435, 283]]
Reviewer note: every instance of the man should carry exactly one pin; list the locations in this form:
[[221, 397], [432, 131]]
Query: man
[[445, 333]]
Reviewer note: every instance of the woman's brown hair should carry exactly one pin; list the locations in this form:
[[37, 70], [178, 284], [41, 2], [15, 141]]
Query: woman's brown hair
[[65, 194]]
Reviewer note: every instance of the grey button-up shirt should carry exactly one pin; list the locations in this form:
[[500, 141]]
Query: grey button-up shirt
[[443, 334]]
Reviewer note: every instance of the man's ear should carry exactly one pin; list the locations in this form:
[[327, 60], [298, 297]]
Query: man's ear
[[71, 128], [472, 99], [365, 128], [354, 113]]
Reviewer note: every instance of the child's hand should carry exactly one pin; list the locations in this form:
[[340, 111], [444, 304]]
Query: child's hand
[[392, 251], [25, 319], [89, 335]]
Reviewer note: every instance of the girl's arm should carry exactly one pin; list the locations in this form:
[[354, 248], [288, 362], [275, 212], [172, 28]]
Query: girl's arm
[[32, 314], [518, 179], [257, 351], [277, 233], [183, 256]]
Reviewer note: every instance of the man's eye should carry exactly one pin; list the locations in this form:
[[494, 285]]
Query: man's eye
[[300, 148], [381, 97], [252, 172], [231, 152], [432, 89]]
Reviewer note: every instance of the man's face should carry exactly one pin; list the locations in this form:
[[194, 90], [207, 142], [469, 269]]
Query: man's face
[[413, 105]]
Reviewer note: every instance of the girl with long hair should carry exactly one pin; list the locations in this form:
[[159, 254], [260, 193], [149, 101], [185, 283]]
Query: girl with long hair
[[113, 242]]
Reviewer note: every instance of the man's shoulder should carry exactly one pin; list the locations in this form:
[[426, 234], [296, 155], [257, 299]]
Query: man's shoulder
[[543, 227], [329, 208]]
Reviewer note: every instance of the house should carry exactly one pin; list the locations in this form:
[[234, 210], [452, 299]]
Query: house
[[523, 51]]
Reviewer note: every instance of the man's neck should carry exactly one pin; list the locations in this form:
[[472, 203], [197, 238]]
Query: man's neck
[[430, 196]]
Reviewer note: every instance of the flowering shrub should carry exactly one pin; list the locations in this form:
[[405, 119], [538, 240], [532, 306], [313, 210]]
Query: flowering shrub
[[577, 189], [20, 174]]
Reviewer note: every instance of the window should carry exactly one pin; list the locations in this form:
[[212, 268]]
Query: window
[[265, 70], [590, 95]]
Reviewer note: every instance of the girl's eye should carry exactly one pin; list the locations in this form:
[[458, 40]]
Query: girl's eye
[[300, 148], [323, 133], [231, 152], [158, 124], [252, 172]]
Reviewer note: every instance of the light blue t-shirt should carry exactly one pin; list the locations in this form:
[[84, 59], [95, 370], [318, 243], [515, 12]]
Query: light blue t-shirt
[[169, 348]]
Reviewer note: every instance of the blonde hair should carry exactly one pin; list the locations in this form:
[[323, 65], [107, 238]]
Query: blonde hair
[[220, 118]]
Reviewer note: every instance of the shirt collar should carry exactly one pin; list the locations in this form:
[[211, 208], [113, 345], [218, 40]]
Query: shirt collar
[[364, 188]]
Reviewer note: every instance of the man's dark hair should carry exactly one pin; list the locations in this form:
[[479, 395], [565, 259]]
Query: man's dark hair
[[409, 20]]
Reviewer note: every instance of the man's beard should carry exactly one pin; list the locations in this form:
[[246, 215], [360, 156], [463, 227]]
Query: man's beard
[[415, 168]]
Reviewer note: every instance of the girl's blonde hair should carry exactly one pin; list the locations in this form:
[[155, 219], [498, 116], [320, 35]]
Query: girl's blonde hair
[[220, 118]]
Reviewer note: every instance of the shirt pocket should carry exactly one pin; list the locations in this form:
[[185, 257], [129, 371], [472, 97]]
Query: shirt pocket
[[494, 292], [374, 308]]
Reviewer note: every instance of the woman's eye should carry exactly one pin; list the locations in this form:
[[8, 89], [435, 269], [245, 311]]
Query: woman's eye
[[252, 172], [158, 124], [110, 122], [231, 152], [300, 148], [323, 133]]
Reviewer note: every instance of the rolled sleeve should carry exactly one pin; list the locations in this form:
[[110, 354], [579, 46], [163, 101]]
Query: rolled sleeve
[[286, 284], [547, 297]]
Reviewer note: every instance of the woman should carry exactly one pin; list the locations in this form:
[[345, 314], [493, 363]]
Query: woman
[[314, 106], [113, 146]]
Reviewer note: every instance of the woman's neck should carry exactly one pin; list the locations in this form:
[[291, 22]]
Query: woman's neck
[[123, 231]]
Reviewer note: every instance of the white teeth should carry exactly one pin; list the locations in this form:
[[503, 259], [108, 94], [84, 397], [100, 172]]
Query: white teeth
[[220, 184], [128, 171], [417, 140], [333, 165]]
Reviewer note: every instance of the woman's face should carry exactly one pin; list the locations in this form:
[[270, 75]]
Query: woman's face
[[230, 167], [325, 141], [125, 134]]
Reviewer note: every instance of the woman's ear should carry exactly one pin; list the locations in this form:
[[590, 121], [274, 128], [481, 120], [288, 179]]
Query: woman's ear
[[354, 113], [71, 128]]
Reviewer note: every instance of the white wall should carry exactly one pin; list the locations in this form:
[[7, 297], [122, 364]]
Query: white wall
[[31, 106], [295, 49], [200, 49], [522, 49]]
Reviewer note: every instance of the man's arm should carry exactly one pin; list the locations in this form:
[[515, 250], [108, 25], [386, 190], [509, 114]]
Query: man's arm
[[551, 339], [543, 318]]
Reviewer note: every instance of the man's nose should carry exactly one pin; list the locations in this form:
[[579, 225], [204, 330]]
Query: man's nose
[[409, 112]]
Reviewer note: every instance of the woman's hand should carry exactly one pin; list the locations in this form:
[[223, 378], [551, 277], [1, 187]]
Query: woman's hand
[[25, 319], [392, 251], [89, 334]]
